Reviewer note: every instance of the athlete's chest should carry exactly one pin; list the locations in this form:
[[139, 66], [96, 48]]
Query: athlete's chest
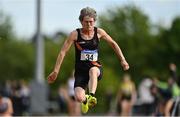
[[87, 35], [88, 44]]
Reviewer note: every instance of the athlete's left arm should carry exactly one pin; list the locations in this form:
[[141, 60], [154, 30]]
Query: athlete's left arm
[[103, 35]]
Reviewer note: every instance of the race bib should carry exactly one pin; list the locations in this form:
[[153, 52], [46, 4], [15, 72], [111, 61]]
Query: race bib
[[89, 55]]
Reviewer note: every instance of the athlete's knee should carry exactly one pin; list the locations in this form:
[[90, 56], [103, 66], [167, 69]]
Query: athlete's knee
[[79, 94], [94, 71], [79, 97]]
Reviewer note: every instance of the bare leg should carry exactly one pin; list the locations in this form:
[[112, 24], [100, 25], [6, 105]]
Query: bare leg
[[80, 94], [94, 72]]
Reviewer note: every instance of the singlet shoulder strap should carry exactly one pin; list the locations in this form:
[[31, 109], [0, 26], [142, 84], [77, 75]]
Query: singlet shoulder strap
[[95, 29], [76, 42], [79, 34], [95, 33]]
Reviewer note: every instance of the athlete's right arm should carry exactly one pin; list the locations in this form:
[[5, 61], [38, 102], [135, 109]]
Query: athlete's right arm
[[67, 44]]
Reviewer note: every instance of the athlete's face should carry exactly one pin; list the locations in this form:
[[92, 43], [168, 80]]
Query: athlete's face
[[88, 23]]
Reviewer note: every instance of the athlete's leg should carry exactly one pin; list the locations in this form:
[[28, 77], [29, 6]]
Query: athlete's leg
[[80, 94], [81, 97], [94, 72]]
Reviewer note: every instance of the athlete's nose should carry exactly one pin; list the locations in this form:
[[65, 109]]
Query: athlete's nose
[[88, 23]]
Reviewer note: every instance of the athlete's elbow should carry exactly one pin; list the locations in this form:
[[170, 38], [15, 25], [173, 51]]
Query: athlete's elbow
[[62, 53], [113, 44]]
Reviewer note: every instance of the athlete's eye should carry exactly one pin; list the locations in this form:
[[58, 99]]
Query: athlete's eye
[[89, 22]]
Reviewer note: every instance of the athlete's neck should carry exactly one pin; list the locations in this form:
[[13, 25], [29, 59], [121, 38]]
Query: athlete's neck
[[87, 31]]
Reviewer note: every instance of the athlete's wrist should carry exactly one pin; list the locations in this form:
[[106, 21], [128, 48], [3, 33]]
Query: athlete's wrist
[[55, 71], [123, 59]]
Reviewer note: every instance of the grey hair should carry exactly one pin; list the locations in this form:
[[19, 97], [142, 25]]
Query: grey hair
[[87, 12]]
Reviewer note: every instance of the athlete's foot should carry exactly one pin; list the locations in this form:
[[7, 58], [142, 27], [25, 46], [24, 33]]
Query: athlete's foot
[[84, 106], [92, 101]]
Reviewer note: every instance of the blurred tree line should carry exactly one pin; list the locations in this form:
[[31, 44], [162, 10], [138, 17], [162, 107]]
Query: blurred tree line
[[148, 48]]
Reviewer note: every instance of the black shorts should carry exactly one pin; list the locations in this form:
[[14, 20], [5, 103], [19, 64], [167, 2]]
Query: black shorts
[[82, 74]]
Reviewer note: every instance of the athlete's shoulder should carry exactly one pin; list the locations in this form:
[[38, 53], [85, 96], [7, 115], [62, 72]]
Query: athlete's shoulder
[[73, 35], [101, 32]]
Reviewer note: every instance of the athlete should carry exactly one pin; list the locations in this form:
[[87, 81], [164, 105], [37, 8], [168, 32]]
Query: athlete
[[88, 69]]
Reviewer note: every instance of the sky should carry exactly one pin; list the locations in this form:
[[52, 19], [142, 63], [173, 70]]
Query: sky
[[62, 15]]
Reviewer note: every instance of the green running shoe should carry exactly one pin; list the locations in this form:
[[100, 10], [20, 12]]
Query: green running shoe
[[85, 107]]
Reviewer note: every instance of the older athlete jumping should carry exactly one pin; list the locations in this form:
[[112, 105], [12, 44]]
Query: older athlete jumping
[[88, 69]]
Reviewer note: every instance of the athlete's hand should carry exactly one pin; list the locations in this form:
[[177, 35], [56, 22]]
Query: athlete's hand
[[125, 65], [52, 77]]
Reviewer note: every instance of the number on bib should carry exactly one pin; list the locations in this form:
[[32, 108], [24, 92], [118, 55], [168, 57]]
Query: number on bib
[[89, 55]]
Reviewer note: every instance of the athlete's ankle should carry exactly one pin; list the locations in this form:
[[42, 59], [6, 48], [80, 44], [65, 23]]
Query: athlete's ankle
[[85, 101], [92, 94]]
